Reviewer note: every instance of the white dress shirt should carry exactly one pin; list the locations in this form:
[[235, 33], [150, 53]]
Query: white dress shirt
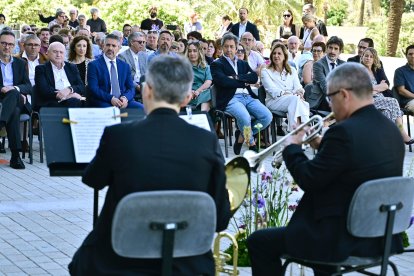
[[61, 80], [32, 65]]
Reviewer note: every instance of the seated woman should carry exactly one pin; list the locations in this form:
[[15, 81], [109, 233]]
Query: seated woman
[[387, 105], [283, 90], [318, 51], [80, 53], [202, 76]]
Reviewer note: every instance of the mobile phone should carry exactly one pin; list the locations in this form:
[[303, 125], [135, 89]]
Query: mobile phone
[[172, 27]]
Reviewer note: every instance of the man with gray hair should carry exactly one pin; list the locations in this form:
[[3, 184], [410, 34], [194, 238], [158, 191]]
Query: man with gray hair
[[165, 141], [109, 78], [136, 57], [96, 23], [346, 158]]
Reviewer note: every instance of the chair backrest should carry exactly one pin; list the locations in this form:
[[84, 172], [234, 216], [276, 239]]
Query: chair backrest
[[213, 93], [396, 95], [261, 93], [365, 219], [131, 233]]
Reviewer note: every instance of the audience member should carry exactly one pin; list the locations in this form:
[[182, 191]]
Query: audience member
[[99, 42], [200, 89], [241, 53], [387, 105], [362, 45], [310, 29], [244, 25], [225, 27], [318, 51], [126, 30], [82, 23], [44, 36], [59, 19], [164, 44], [310, 9], [194, 35], [2, 21], [54, 29], [321, 68], [152, 23], [32, 56], [182, 46], [211, 48], [96, 23], [166, 89], [232, 79], [283, 90], [109, 79], [255, 60], [136, 57], [404, 80], [14, 87], [58, 83], [293, 44], [80, 54], [48, 19], [73, 18], [219, 49], [348, 155], [288, 28], [55, 38], [25, 28], [193, 24], [152, 41]]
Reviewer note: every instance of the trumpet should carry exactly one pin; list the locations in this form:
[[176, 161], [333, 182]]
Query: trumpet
[[315, 125]]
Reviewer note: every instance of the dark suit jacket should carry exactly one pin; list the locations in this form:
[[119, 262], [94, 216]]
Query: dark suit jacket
[[21, 80], [225, 86], [320, 72], [45, 83], [155, 163], [250, 27], [354, 59], [351, 152], [99, 84]]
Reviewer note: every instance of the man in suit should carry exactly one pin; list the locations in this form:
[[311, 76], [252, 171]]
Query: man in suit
[[244, 25], [136, 57], [14, 82], [232, 79], [321, 68], [58, 83], [362, 45], [346, 158], [128, 169], [109, 79]]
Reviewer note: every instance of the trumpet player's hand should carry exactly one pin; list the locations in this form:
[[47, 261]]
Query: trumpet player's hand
[[297, 138], [315, 142]]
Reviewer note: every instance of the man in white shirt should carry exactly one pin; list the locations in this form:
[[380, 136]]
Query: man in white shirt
[[293, 47], [254, 58], [32, 55]]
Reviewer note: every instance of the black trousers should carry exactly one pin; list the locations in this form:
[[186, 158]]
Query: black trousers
[[266, 247], [10, 114]]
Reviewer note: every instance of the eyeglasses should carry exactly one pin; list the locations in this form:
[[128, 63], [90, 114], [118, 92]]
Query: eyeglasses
[[153, 32], [240, 51], [26, 29], [330, 95], [32, 45], [5, 44], [139, 41], [247, 39], [286, 15]]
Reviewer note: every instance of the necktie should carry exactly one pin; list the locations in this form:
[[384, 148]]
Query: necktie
[[114, 82], [333, 65]]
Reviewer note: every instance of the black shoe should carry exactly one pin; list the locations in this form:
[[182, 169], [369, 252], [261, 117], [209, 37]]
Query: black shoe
[[280, 131], [237, 146], [253, 148], [17, 163], [409, 142]]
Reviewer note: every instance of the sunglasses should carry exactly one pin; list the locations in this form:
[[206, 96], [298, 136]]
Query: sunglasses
[[139, 41], [153, 32], [240, 51], [26, 29], [286, 15]]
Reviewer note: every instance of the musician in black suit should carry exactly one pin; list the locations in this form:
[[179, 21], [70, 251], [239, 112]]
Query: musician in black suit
[[58, 83], [14, 86], [162, 160], [355, 150], [244, 25]]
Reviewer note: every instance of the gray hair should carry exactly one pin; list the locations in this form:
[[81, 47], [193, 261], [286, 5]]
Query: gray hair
[[170, 77], [113, 36], [134, 36], [23, 38], [81, 16], [353, 76], [31, 37], [229, 36], [100, 36], [119, 34], [94, 10]]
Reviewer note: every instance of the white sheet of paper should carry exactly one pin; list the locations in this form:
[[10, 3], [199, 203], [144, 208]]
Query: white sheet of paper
[[199, 120], [87, 133]]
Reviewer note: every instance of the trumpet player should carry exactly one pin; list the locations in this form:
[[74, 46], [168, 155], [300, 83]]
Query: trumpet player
[[363, 145]]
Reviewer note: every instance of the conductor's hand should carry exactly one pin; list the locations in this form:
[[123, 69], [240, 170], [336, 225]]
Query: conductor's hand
[[116, 102]]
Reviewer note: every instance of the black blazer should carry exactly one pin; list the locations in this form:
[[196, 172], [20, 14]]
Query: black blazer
[[45, 83], [351, 152], [165, 158], [226, 87], [250, 27]]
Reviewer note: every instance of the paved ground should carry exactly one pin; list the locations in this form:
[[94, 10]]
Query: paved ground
[[43, 220]]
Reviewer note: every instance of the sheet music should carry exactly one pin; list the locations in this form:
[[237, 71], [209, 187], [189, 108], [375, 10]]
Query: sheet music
[[199, 120], [87, 132]]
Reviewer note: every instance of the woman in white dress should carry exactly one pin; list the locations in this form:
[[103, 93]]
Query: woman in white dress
[[283, 90]]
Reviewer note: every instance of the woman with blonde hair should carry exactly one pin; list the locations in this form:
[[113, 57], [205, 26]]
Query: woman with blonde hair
[[202, 76], [284, 92], [80, 53]]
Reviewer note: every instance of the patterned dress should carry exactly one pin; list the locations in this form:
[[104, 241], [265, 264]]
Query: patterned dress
[[388, 106]]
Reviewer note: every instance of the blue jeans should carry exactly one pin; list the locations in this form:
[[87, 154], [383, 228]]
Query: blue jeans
[[243, 107]]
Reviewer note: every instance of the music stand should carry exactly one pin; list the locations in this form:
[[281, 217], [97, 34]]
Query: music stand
[[60, 155]]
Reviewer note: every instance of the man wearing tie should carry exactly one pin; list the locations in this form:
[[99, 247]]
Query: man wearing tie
[[109, 79], [321, 69]]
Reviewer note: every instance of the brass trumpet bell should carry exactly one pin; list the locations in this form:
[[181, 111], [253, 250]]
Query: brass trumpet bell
[[238, 180]]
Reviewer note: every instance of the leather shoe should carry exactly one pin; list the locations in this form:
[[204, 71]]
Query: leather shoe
[[410, 142], [17, 163], [279, 131], [237, 146]]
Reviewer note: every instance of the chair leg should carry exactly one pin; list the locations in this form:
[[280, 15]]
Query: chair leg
[[394, 268], [24, 138], [273, 130], [3, 145], [30, 141], [40, 140], [284, 266], [230, 128], [225, 132], [409, 131]]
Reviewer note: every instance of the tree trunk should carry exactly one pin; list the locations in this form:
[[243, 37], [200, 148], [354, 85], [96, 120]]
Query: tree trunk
[[394, 26], [361, 13]]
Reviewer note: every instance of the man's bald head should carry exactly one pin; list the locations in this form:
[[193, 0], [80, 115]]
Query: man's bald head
[[56, 54], [248, 41]]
